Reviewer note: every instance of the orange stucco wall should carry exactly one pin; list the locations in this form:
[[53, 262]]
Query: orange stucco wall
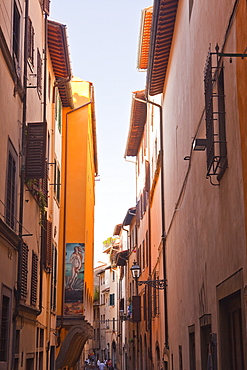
[[77, 201]]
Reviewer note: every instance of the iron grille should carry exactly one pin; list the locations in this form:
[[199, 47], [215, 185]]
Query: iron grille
[[215, 116]]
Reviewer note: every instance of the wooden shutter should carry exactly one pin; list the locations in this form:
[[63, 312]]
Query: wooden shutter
[[46, 6], [44, 237], [49, 245], [138, 216], [24, 271], [36, 149], [30, 42], [136, 308], [54, 279], [34, 279], [45, 184], [121, 304], [39, 72]]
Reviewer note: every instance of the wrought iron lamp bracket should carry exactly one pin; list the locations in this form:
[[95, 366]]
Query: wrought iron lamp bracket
[[157, 284]]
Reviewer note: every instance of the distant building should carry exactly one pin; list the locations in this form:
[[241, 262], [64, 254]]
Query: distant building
[[76, 234]]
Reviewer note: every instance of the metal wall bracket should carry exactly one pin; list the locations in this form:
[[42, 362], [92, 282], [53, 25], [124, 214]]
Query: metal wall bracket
[[157, 284]]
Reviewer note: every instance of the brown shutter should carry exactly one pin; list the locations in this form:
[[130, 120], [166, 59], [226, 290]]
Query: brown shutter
[[30, 42], [46, 6], [34, 279], [121, 304], [44, 237], [36, 149], [147, 176], [24, 271], [39, 72], [136, 308], [45, 184], [49, 245], [138, 213]]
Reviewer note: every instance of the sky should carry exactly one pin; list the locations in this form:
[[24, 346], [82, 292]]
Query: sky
[[103, 40]]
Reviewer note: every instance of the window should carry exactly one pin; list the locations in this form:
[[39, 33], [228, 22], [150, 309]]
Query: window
[[112, 299], [34, 279], [113, 275], [11, 190], [5, 325], [16, 33], [30, 42]]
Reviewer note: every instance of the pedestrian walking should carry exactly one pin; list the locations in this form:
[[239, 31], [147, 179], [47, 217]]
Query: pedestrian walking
[[109, 364], [102, 366]]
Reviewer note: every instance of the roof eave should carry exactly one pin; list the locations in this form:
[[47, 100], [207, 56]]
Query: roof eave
[[59, 52], [163, 23], [137, 123]]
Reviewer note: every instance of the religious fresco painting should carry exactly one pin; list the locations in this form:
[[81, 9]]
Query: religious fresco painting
[[74, 278]]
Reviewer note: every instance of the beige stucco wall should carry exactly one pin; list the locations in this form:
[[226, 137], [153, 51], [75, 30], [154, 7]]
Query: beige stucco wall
[[206, 243]]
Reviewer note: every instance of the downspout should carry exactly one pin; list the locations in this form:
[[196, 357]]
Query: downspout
[[22, 180], [163, 234], [65, 209], [44, 120], [41, 265]]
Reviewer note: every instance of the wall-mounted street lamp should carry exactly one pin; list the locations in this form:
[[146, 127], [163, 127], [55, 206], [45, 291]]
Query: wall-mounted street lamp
[[157, 284], [199, 144]]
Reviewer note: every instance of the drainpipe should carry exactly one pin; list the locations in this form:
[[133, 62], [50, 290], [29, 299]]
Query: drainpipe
[[22, 180], [163, 235], [44, 120], [41, 266]]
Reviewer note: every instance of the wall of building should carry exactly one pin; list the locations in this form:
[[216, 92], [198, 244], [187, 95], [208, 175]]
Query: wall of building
[[206, 241]]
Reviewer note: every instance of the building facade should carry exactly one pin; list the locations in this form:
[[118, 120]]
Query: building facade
[[30, 145], [35, 75], [76, 230], [196, 64]]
